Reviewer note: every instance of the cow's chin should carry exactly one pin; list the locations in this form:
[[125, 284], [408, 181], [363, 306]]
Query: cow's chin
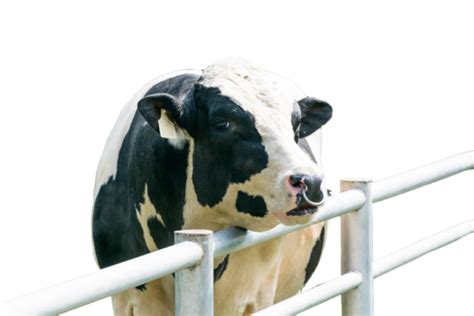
[[260, 225], [296, 216]]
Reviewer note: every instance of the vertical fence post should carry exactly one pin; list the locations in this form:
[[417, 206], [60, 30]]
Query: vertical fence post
[[356, 251], [194, 287]]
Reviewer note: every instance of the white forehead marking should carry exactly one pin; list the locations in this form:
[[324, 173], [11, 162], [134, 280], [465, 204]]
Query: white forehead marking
[[255, 89], [267, 96]]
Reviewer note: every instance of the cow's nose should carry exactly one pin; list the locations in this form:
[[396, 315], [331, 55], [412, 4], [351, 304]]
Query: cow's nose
[[309, 185], [297, 181]]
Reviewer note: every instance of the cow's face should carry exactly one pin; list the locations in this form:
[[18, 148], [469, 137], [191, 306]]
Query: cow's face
[[246, 166]]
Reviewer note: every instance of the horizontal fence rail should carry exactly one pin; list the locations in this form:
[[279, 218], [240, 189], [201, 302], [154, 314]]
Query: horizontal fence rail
[[101, 284], [421, 248], [349, 281], [92, 287], [315, 296]]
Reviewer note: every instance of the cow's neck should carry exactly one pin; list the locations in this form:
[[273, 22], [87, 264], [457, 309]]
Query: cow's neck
[[197, 216], [158, 171]]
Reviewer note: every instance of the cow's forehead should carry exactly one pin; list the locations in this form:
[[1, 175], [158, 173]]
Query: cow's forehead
[[256, 90]]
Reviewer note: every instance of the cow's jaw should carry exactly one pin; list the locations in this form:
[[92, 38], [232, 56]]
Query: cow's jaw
[[286, 159], [299, 215]]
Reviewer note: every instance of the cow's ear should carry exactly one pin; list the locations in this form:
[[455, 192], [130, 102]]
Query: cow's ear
[[314, 114], [162, 112]]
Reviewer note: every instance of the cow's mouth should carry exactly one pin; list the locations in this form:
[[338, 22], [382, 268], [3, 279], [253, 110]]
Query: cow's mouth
[[302, 210]]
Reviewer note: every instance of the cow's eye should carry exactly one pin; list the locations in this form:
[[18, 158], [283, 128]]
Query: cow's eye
[[222, 125]]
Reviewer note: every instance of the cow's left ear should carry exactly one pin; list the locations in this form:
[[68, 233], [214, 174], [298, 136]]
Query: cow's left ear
[[162, 112], [314, 114]]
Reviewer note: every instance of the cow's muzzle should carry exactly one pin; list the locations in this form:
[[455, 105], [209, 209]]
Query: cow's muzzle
[[307, 189]]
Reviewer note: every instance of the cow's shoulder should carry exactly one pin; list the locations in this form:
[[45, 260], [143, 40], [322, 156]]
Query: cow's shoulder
[[174, 83], [135, 203]]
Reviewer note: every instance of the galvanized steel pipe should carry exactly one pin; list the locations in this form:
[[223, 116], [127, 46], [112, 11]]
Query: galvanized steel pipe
[[194, 290], [356, 252], [106, 282], [315, 295], [351, 280], [421, 248], [421, 176]]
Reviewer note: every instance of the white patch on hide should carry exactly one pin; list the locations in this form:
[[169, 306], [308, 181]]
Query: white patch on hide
[[147, 211]]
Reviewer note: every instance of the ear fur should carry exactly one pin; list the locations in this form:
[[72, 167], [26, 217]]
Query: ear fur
[[314, 114], [151, 106]]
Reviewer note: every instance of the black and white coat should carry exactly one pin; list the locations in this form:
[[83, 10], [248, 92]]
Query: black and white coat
[[239, 158]]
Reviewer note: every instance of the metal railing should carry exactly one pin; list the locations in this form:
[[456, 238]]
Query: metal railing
[[192, 255]]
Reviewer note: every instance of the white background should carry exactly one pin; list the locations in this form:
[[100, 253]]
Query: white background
[[399, 75]]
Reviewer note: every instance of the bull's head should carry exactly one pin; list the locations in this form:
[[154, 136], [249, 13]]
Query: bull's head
[[245, 165]]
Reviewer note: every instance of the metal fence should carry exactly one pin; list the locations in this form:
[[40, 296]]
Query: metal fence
[[191, 258]]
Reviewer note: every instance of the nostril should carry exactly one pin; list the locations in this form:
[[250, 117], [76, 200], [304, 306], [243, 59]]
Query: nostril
[[313, 182], [297, 180]]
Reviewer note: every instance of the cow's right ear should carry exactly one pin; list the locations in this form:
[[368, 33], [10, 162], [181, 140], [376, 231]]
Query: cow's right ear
[[314, 114], [162, 112]]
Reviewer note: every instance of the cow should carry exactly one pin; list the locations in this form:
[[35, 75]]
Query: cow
[[212, 149]]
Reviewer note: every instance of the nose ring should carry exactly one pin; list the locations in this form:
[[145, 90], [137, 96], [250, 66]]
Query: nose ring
[[308, 200]]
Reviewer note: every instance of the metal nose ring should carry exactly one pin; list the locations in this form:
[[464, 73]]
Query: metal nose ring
[[308, 200]]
